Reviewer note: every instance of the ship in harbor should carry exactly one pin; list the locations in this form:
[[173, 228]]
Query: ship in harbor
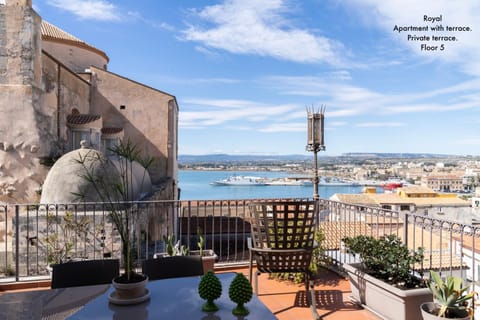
[[240, 181]]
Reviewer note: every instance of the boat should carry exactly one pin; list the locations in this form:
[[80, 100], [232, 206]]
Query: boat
[[288, 182], [391, 185], [336, 182], [240, 181]]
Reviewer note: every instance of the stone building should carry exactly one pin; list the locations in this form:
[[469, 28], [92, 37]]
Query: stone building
[[414, 199], [55, 90]]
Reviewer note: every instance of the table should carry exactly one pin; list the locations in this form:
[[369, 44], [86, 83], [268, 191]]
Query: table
[[175, 298]]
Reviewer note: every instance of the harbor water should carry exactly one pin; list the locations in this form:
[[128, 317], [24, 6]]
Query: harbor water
[[196, 185]]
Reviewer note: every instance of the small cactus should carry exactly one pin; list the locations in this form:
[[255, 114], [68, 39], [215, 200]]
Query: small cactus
[[240, 292], [210, 288]]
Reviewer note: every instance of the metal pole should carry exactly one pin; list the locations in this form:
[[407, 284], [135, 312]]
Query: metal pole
[[315, 176]]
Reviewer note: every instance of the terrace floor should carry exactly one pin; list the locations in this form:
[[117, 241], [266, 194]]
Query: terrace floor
[[285, 299]]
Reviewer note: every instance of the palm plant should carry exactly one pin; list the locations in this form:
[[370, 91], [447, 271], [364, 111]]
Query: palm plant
[[116, 192]]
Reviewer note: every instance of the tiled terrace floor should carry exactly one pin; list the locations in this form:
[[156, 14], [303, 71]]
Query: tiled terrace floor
[[286, 300]]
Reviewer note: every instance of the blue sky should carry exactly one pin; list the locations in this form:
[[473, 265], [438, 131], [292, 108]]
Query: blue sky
[[244, 71]]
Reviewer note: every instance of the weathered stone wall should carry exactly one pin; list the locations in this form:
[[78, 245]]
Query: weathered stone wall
[[21, 138], [38, 91], [145, 114], [74, 92]]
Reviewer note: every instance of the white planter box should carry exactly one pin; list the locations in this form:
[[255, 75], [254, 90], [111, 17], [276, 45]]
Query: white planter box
[[384, 299]]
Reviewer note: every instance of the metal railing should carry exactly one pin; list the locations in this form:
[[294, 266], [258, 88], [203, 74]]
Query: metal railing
[[34, 236]]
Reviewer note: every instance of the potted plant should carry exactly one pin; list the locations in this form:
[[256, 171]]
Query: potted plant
[[208, 255], [117, 194], [450, 300], [173, 248], [385, 280], [62, 230]]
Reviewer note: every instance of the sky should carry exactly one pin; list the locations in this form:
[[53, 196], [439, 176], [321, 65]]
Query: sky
[[245, 72]]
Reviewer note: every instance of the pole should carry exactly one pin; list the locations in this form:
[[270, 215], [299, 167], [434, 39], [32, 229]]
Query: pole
[[315, 176]]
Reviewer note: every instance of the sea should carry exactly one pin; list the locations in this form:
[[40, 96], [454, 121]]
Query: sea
[[195, 185]]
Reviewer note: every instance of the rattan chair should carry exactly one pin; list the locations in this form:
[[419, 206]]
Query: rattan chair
[[172, 267], [84, 273], [283, 240]]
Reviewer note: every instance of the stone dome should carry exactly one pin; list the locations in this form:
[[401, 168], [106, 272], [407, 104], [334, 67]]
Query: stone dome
[[66, 181]]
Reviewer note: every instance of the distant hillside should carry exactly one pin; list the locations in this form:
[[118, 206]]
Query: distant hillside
[[398, 155], [227, 158]]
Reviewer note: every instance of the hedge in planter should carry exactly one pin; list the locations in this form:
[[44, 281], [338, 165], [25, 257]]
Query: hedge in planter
[[387, 258], [384, 281]]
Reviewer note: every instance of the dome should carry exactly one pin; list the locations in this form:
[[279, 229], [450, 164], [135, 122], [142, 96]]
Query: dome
[[67, 181]]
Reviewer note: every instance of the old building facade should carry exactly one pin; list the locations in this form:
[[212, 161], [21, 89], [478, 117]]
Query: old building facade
[[55, 91]]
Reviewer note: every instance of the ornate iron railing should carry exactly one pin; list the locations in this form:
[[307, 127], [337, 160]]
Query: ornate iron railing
[[36, 235]]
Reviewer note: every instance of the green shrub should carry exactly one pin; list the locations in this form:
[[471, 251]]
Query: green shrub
[[387, 258]]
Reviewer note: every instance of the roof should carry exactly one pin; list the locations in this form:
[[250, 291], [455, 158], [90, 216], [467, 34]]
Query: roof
[[55, 34], [379, 199], [82, 118], [416, 189], [107, 130], [436, 255]]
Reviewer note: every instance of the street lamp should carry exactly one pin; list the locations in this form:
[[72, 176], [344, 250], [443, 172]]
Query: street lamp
[[315, 141]]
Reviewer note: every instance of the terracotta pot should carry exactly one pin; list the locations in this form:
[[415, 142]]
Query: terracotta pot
[[430, 310], [208, 259], [134, 291]]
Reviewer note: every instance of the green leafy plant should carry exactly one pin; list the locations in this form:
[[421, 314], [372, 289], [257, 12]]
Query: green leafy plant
[[387, 258], [201, 240], [210, 288], [117, 193], [450, 296], [240, 292], [62, 231], [173, 248]]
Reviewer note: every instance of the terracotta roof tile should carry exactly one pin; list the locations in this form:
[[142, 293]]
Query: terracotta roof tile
[[111, 130], [82, 118], [54, 33], [51, 31]]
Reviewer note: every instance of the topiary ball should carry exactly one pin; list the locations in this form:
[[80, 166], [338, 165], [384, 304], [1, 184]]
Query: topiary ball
[[240, 292], [210, 288]]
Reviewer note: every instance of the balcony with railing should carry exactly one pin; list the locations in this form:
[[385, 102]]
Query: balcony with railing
[[34, 236]]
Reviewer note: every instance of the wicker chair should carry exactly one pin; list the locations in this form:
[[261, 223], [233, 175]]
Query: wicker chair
[[283, 240]]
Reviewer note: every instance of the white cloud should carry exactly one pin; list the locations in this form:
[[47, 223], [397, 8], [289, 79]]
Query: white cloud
[[157, 25], [285, 127], [229, 112], [345, 100], [260, 28], [379, 124], [88, 9]]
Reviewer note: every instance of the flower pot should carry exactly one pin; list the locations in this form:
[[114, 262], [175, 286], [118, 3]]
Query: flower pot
[[131, 292], [208, 259], [384, 299], [430, 311]]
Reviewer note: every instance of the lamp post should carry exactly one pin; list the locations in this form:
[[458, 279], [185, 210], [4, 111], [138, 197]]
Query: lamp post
[[315, 141]]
